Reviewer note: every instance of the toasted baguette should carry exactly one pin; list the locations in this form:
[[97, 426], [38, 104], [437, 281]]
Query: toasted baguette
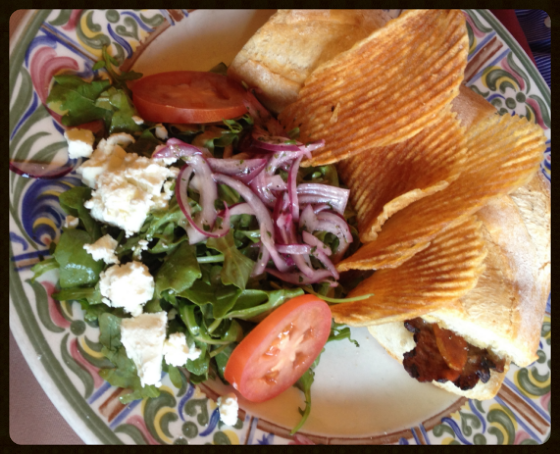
[[397, 340], [504, 312], [286, 49]]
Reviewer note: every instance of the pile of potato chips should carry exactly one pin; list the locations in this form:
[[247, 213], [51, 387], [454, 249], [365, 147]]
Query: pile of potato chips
[[417, 171]]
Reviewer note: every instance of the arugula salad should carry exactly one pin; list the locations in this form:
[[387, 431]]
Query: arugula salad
[[196, 222]]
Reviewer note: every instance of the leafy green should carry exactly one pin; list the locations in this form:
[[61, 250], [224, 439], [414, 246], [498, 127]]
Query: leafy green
[[222, 359], [97, 100], [119, 104], [91, 294], [174, 376], [77, 97], [179, 270], [124, 375], [220, 68], [254, 303], [152, 306], [323, 174], [77, 267], [72, 202], [119, 78], [340, 332], [221, 297], [309, 289], [304, 384], [144, 145], [43, 266], [192, 316], [94, 311], [237, 268]]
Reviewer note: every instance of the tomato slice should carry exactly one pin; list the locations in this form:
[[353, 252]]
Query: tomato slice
[[188, 97], [276, 353]]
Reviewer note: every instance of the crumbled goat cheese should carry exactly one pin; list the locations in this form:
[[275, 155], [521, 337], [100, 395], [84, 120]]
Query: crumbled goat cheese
[[161, 132], [138, 120], [129, 286], [71, 222], [80, 142], [177, 352], [143, 337], [228, 406], [103, 249], [126, 186], [137, 250], [172, 314]]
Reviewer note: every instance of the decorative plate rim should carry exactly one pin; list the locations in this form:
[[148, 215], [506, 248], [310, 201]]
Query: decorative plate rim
[[23, 323]]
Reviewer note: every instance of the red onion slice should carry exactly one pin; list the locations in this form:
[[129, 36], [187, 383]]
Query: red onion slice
[[200, 227], [241, 208], [262, 214], [294, 248], [312, 240], [40, 171], [264, 140], [292, 188], [264, 257], [175, 148], [331, 222], [308, 220], [326, 262], [244, 169], [337, 198]]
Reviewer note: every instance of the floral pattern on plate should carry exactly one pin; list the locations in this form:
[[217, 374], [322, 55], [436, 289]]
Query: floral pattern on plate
[[67, 347]]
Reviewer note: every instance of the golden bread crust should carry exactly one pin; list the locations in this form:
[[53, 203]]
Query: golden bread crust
[[287, 48]]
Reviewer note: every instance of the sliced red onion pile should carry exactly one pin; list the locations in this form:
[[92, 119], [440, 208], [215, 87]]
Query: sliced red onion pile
[[288, 214]]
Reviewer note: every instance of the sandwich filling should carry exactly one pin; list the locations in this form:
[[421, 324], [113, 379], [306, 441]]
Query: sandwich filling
[[442, 355]]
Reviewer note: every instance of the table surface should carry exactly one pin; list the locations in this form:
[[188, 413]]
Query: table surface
[[48, 426]]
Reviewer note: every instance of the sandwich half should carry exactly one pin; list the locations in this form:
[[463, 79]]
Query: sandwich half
[[466, 348]]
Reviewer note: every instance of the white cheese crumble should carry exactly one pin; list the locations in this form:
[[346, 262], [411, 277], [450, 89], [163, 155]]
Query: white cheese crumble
[[80, 142], [228, 406], [161, 132], [177, 352], [103, 249], [138, 120], [143, 337], [71, 222], [137, 250], [129, 286], [126, 186]]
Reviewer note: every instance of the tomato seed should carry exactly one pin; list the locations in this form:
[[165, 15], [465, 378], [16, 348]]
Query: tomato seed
[[270, 377]]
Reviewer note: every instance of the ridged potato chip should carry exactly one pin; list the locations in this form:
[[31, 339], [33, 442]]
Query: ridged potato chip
[[435, 277], [385, 89], [504, 152], [385, 180]]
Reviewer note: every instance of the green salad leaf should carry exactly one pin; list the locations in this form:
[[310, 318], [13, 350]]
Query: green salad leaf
[[255, 304], [72, 202], [221, 297], [77, 97], [304, 384], [43, 266], [124, 375], [77, 267], [179, 270], [121, 110], [237, 267]]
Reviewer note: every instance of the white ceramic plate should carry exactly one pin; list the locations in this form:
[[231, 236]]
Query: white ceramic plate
[[360, 395]]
